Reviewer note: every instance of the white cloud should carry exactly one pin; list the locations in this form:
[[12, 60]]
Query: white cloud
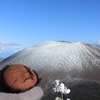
[[95, 42], [98, 42], [9, 46]]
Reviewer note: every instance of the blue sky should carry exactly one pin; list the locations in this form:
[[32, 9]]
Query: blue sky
[[25, 23]]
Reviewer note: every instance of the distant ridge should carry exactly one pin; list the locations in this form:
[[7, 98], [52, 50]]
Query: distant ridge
[[5, 54], [1, 59]]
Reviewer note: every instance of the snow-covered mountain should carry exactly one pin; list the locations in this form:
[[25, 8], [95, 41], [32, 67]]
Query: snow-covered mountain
[[76, 64]]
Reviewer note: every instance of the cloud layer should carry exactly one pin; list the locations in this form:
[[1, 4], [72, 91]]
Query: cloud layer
[[9, 46]]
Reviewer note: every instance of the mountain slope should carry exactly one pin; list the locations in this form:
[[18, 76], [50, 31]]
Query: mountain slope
[[76, 64]]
